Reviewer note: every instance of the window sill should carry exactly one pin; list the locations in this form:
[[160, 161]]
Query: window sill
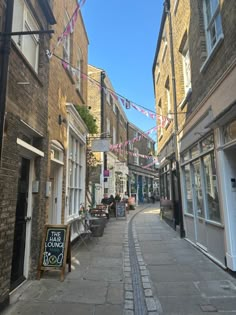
[[189, 215], [75, 217], [186, 99], [220, 225], [212, 53]]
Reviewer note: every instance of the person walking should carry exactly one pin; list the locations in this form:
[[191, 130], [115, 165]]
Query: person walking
[[112, 204]]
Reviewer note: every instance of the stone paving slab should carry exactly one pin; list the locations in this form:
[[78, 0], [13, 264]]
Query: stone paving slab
[[108, 310], [177, 279]]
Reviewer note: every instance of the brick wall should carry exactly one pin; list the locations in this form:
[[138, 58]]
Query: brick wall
[[62, 84], [30, 104]]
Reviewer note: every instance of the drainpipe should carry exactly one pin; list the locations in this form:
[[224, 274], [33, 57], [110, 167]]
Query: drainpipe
[[168, 13], [127, 157], [103, 75], [5, 52]]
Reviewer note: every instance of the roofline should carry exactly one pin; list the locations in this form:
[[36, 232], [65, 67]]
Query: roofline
[[163, 19]]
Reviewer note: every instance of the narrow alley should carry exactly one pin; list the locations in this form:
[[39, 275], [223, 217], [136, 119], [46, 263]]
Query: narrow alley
[[139, 266]]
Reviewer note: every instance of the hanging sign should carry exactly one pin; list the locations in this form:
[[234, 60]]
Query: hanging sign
[[100, 145], [55, 249]]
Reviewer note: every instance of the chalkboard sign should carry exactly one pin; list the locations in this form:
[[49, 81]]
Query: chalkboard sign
[[55, 249], [120, 210]]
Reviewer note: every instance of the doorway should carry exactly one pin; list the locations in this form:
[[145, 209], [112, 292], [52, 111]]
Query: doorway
[[56, 193], [198, 203], [21, 220]]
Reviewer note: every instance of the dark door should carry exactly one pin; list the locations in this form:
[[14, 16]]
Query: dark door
[[176, 198], [17, 272]]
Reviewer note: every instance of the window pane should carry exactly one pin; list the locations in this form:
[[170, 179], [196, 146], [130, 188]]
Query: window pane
[[198, 189], [230, 132], [168, 185], [194, 151], [211, 187], [185, 156], [188, 190], [207, 144], [214, 5]]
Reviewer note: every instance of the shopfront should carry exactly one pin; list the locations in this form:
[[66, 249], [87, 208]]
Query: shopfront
[[227, 171], [202, 216]]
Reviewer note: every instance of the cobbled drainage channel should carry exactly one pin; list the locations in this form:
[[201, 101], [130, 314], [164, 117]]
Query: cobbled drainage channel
[[139, 299]]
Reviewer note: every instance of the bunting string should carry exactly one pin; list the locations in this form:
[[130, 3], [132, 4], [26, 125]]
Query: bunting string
[[68, 29], [148, 166], [135, 139], [162, 119]]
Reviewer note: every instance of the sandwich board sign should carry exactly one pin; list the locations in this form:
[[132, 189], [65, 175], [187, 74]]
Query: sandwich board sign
[[120, 209], [55, 249]]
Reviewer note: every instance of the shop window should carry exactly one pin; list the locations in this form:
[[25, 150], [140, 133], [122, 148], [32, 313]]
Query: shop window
[[207, 144], [213, 26], [198, 191], [188, 190], [23, 20], [229, 132], [213, 211], [76, 174], [194, 151]]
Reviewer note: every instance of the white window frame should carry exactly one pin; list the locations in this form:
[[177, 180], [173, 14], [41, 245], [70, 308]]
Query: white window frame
[[114, 135], [164, 38], [114, 107], [23, 20], [186, 68], [131, 145], [168, 100], [76, 169], [161, 118], [79, 71], [136, 157], [157, 72], [66, 40], [213, 16], [108, 126]]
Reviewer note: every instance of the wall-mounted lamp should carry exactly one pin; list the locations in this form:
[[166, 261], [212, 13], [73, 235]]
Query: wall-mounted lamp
[[61, 120]]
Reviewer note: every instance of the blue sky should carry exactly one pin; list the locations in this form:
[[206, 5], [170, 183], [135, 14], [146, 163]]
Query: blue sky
[[122, 41]]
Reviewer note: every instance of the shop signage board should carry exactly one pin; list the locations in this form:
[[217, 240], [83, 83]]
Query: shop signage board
[[55, 249], [120, 210]]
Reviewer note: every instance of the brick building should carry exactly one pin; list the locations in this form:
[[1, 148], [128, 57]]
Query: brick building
[[124, 161], [142, 169], [67, 131], [205, 74], [111, 121], [23, 170]]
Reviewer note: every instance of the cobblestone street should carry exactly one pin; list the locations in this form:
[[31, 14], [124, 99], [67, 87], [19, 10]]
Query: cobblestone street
[[139, 267]]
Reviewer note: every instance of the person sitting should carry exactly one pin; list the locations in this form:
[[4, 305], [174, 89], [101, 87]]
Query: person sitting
[[106, 202]]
